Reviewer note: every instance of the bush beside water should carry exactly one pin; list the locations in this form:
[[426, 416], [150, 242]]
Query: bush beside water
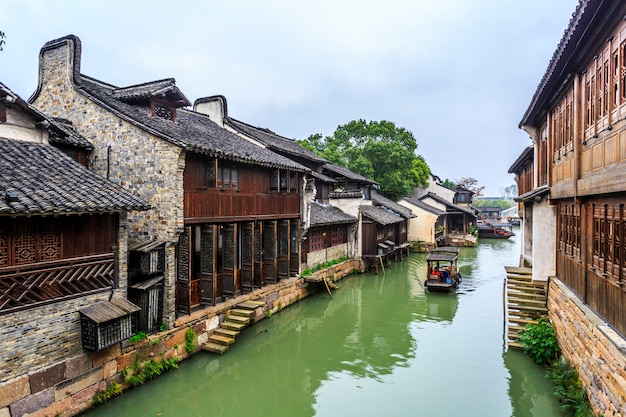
[[540, 343]]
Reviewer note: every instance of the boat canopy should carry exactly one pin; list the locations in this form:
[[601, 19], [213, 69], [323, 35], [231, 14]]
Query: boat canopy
[[441, 256]]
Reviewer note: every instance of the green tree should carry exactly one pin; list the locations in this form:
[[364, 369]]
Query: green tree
[[449, 184], [503, 204], [380, 151], [472, 185]]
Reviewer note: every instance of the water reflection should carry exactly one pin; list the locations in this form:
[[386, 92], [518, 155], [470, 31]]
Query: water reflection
[[382, 346]]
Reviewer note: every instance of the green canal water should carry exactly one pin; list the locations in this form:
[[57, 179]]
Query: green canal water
[[382, 347]]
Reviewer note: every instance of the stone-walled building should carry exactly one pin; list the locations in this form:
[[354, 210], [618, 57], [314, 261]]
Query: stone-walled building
[[63, 247], [225, 214]]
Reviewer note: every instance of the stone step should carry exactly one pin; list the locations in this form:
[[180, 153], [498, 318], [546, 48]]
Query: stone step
[[517, 307], [518, 270], [516, 329], [231, 325], [215, 348], [237, 319], [513, 295], [527, 301], [513, 336], [516, 345], [226, 332], [521, 321], [251, 305], [221, 339], [525, 285], [522, 283], [241, 312]]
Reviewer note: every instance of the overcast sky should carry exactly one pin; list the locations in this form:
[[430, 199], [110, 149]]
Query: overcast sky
[[459, 74]]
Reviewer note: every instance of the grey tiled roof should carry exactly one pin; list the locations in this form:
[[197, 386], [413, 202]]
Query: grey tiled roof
[[419, 203], [322, 177], [322, 214], [145, 91], [191, 131], [380, 200], [345, 172], [380, 215], [448, 204], [40, 179], [59, 132], [273, 141]]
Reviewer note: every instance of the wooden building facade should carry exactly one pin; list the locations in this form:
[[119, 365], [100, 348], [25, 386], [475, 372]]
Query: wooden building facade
[[62, 237], [577, 123], [224, 211]]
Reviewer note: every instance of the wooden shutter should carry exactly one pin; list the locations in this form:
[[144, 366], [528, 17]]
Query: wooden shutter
[[247, 255], [229, 260], [183, 296], [294, 247], [207, 267]]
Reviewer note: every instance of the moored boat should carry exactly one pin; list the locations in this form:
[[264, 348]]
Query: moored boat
[[443, 269], [495, 230]]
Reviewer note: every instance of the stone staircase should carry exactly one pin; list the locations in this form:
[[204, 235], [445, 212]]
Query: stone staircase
[[526, 302], [236, 319]]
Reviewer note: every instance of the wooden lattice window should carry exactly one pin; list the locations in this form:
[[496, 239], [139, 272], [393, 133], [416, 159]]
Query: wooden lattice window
[[25, 244], [163, 111], [338, 236], [316, 240], [50, 247], [227, 176], [4, 246]]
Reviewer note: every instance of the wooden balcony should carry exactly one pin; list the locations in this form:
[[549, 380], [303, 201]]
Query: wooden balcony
[[209, 204], [31, 285]]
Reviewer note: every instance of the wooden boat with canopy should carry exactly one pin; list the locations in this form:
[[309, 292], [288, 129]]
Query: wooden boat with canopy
[[443, 269]]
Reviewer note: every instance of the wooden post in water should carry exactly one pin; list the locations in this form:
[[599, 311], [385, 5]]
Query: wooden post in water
[[328, 288]]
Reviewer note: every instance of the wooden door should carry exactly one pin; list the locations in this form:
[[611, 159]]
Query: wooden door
[[269, 252], [183, 258], [207, 267], [259, 278], [247, 256], [283, 249], [229, 260], [294, 248]]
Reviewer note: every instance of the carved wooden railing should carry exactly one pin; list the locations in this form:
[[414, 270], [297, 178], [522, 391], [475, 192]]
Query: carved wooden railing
[[25, 286]]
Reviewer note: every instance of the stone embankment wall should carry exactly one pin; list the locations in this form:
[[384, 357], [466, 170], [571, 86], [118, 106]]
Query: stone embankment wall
[[593, 347], [65, 387], [326, 255]]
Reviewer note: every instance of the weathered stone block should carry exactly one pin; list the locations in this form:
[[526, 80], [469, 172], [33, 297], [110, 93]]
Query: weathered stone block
[[4, 412], [54, 410], [14, 390], [110, 369], [32, 403], [85, 395], [76, 365], [200, 327], [176, 338], [126, 361], [47, 377], [203, 338], [99, 358], [72, 386], [212, 323]]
